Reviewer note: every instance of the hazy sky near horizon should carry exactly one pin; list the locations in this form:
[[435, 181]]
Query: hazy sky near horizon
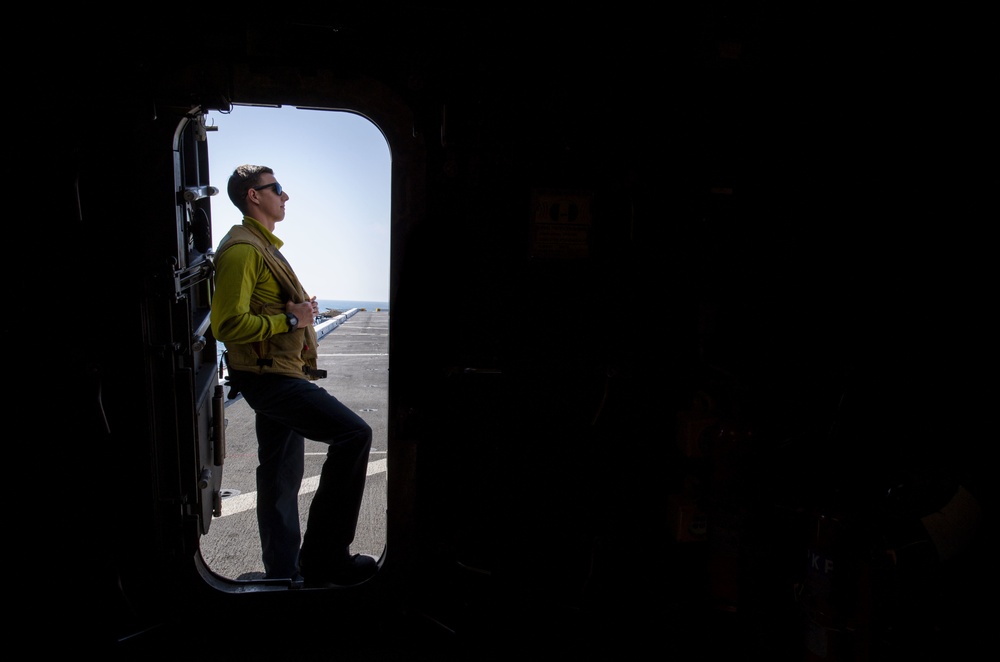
[[335, 167]]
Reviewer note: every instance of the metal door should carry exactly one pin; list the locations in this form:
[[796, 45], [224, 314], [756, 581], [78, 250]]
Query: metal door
[[181, 310]]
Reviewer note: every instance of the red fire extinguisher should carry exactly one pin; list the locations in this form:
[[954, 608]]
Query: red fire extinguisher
[[727, 447], [836, 596]]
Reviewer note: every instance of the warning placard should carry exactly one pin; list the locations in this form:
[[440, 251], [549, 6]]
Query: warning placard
[[561, 225]]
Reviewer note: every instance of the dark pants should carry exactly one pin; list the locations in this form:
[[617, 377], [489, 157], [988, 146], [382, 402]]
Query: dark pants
[[289, 410]]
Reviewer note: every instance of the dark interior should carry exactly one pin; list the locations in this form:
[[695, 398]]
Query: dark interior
[[722, 345]]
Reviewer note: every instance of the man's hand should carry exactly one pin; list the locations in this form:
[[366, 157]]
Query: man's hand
[[305, 311]]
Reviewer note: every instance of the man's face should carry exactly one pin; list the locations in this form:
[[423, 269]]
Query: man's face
[[270, 203]]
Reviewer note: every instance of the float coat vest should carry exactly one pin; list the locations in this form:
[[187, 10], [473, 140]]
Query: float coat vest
[[293, 353]]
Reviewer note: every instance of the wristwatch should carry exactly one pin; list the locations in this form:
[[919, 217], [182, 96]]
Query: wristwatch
[[293, 321]]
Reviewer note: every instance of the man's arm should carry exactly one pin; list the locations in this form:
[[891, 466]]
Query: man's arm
[[241, 276]]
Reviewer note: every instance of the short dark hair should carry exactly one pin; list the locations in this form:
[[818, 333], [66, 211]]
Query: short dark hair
[[244, 178]]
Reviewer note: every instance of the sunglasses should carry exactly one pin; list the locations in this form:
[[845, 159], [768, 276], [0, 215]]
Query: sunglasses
[[276, 185]]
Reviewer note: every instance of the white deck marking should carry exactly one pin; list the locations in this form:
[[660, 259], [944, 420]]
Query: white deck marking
[[248, 501]]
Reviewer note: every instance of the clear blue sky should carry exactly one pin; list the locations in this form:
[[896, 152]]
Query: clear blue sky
[[335, 167]]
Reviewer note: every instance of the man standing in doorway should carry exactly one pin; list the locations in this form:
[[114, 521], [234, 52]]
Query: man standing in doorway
[[265, 319]]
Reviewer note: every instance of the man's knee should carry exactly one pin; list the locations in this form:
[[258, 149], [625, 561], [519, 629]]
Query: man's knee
[[366, 434]]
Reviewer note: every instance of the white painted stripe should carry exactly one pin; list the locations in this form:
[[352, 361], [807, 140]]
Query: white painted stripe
[[248, 501], [383, 354]]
